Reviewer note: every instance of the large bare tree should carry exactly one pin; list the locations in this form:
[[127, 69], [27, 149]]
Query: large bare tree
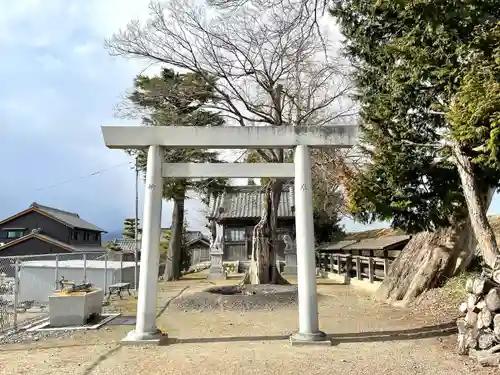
[[269, 65]]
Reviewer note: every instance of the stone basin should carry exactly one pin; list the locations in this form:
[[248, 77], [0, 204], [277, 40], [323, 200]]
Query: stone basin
[[74, 309]]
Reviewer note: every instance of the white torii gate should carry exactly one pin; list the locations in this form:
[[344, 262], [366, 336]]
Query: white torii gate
[[156, 138]]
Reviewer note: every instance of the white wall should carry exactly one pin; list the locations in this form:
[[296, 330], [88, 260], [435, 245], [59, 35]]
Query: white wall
[[38, 283]]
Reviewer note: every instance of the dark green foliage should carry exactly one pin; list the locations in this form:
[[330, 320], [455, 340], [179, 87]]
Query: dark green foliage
[[174, 99], [327, 228], [165, 242], [129, 228], [111, 245], [426, 70]]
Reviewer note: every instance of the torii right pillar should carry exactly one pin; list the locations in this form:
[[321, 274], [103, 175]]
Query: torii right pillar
[[309, 332]]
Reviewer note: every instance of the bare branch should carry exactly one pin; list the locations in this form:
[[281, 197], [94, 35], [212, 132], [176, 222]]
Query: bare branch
[[266, 59]]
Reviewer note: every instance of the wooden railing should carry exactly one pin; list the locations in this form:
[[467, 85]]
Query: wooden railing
[[354, 266]]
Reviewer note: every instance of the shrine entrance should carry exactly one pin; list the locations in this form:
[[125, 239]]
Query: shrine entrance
[[155, 139]]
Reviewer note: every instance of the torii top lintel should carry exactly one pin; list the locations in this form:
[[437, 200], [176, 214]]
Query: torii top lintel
[[226, 137]]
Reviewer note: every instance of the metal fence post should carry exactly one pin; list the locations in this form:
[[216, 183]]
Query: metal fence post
[[105, 273], [135, 269], [17, 264], [84, 267], [121, 267], [56, 272]]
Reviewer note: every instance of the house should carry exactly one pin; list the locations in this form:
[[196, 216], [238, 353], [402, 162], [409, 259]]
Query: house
[[47, 230], [197, 243], [238, 211]]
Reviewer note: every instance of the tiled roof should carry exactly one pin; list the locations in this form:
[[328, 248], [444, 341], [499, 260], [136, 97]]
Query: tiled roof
[[378, 243], [53, 241], [336, 245], [194, 236], [246, 202], [381, 243], [128, 244], [69, 218]]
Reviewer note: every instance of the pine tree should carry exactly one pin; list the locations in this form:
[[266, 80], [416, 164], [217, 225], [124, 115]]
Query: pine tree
[[129, 228], [175, 99]]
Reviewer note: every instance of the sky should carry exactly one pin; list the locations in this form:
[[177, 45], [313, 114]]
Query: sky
[[59, 86]]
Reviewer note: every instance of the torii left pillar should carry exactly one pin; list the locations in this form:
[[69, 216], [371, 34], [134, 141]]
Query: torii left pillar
[[146, 330]]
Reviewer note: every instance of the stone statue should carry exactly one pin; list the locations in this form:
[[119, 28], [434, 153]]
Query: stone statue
[[289, 243], [219, 236], [216, 251], [217, 232], [213, 232]]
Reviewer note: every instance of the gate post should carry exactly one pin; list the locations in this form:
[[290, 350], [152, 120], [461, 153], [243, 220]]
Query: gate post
[[145, 329], [309, 332]]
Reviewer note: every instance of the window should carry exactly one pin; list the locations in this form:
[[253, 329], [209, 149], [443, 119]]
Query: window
[[74, 235], [86, 236], [234, 234], [15, 233], [96, 236]]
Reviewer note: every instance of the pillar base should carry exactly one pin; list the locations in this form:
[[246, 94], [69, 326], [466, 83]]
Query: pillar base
[[318, 338], [147, 338]]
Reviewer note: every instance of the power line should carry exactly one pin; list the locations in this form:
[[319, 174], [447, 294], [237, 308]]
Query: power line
[[82, 177]]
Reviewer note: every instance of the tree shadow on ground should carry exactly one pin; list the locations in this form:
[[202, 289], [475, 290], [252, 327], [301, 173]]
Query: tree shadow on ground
[[440, 330]]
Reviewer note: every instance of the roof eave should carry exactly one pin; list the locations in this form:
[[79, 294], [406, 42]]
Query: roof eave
[[93, 230]]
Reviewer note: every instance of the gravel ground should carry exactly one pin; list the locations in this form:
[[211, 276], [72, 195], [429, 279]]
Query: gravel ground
[[19, 337], [367, 337], [248, 297]]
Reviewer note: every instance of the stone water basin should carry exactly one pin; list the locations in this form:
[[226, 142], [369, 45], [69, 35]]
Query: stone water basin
[[75, 308]]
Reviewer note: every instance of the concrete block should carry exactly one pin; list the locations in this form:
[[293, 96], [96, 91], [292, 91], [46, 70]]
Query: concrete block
[[74, 310]]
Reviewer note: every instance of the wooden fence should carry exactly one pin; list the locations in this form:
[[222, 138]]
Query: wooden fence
[[354, 266]]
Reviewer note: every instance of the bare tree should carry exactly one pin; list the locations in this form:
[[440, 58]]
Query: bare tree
[[268, 66]]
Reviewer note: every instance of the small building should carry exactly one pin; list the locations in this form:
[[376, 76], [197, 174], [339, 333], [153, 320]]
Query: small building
[[238, 211], [37, 279], [197, 243]]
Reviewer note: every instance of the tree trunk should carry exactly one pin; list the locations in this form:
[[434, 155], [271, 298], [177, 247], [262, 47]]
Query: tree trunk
[[477, 209], [262, 269], [173, 264]]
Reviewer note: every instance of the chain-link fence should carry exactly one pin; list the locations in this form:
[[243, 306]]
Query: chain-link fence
[[26, 282]]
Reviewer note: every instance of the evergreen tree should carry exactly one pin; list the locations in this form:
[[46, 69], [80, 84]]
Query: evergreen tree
[[175, 99], [427, 74], [129, 228]]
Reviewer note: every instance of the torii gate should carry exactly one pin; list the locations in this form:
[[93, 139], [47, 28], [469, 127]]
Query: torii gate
[[155, 138]]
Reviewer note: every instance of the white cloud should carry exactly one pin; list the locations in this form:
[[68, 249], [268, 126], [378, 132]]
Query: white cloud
[[40, 23], [49, 62]]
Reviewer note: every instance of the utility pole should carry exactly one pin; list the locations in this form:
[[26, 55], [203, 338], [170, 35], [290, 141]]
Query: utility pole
[[136, 234]]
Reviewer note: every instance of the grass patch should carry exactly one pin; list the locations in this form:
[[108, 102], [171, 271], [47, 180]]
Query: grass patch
[[454, 287]]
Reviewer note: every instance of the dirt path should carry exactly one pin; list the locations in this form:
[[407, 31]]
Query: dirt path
[[368, 338]]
